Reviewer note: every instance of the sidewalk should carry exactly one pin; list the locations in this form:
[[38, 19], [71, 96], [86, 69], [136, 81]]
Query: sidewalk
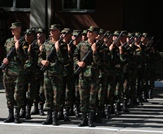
[[142, 119]]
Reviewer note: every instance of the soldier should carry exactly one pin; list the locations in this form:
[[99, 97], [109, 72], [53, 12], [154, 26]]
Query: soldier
[[88, 78], [13, 74], [151, 56], [140, 66], [68, 75], [117, 53], [76, 37], [51, 61], [40, 98], [30, 71], [84, 35], [101, 96]]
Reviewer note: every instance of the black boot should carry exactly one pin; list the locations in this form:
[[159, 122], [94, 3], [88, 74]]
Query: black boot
[[116, 108], [124, 108], [54, 118], [84, 121], [144, 98], [28, 112], [150, 93], [35, 110], [99, 115], [48, 119], [66, 115], [10, 117], [17, 114], [108, 112], [90, 120], [23, 112], [76, 110], [60, 114], [41, 110]]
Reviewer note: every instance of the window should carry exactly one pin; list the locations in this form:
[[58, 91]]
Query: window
[[78, 5], [15, 5]]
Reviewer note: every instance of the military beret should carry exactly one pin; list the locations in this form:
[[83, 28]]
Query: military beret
[[15, 25], [94, 29], [55, 26]]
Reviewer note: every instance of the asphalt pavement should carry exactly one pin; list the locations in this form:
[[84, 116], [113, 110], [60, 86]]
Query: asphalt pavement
[[146, 118]]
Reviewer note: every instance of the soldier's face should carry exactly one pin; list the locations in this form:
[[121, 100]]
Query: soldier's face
[[54, 32], [16, 31]]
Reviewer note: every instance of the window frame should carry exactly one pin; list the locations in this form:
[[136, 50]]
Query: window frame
[[76, 9], [14, 8]]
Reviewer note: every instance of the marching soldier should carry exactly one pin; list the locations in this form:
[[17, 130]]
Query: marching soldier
[[88, 77], [51, 61], [39, 98], [30, 72], [13, 74], [68, 75]]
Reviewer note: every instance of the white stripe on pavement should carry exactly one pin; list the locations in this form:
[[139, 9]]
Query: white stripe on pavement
[[92, 128]]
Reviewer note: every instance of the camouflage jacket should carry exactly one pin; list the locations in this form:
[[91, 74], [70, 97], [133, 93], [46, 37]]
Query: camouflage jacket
[[93, 60], [17, 60], [56, 59]]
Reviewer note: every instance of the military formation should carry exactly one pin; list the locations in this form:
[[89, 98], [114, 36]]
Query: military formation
[[89, 73]]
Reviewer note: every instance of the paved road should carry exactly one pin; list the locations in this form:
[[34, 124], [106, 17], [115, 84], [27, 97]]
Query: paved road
[[142, 119]]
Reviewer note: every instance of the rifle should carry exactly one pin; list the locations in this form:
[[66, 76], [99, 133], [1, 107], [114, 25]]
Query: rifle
[[130, 41], [115, 41], [53, 51], [89, 52], [10, 54], [148, 43], [34, 42], [71, 42]]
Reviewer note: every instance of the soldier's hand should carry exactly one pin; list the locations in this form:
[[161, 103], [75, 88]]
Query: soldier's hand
[[45, 62], [57, 46], [68, 47], [5, 61], [94, 47], [29, 48], [17, 45], [81, 64], [120, 49]]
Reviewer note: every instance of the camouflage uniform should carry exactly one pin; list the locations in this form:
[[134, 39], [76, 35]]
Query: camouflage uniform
[[68, 76], [15, 70], [30, 74], [39, 99], [53, 77], [88, 80], [13, 78]]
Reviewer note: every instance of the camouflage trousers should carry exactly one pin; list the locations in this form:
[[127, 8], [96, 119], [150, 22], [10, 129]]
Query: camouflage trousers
[[30, 88], [101, 95], [88, 88], [119, 87], [111, 79], [53, 89], [68, 90], [39, 96], [14, 88]]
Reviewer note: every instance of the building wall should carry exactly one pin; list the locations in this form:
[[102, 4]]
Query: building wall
[[108, 15]]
